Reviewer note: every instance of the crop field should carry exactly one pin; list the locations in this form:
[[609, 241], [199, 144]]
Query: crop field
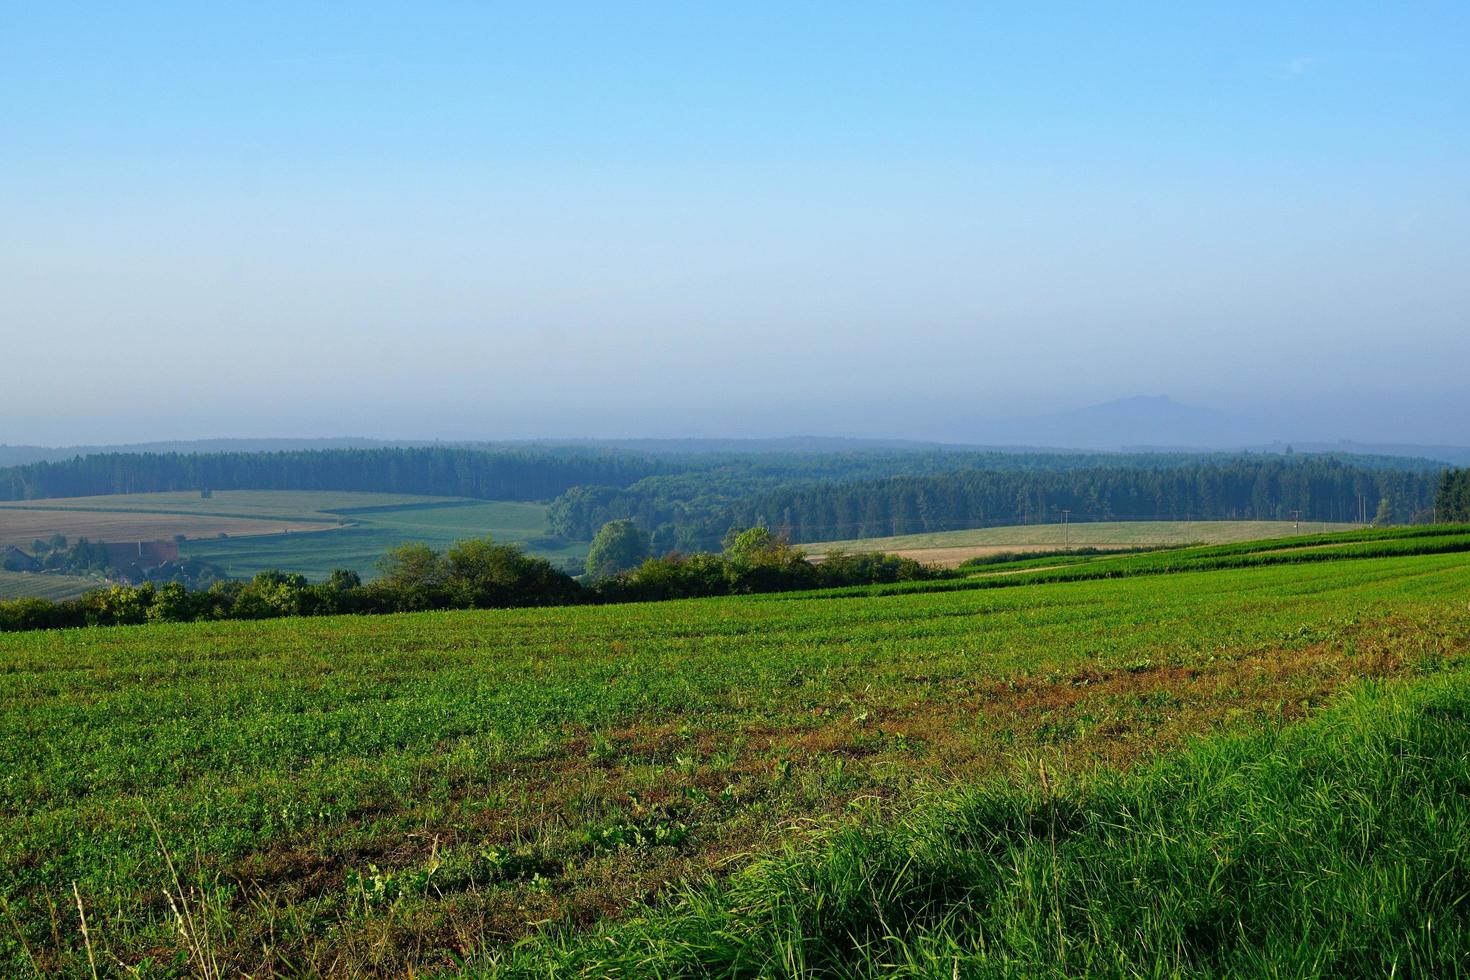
[[369, 795], [301, 505], [20, 526], [950, 548], [374, 531], [25, 585], [153, 516], [312, 532]]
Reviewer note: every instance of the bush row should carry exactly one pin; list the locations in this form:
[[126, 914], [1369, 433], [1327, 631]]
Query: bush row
[[473, 574]]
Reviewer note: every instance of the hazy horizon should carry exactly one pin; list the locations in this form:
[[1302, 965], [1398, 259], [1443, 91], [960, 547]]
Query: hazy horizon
[[463, 223]]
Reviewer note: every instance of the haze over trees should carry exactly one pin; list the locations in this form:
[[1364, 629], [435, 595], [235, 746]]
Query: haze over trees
[[1015, 490]]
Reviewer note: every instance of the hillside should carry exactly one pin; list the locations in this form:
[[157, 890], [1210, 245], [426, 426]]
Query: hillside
[[409, 790]]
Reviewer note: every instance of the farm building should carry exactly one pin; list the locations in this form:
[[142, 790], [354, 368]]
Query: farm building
[[15, 560], [140, 555]]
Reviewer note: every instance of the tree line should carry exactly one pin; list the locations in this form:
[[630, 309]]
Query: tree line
[[432, 471], [1452, 502], [533, 473], [472, 574], [689, 502], [1309, 487]]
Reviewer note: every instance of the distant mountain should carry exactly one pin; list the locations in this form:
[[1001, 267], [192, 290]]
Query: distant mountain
[[1139, 424], [1128, 423], [1454, 455], [1160, 424], [705, 446]]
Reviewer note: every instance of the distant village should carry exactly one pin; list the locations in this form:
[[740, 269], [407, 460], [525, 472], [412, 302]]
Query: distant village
[[130, 561]]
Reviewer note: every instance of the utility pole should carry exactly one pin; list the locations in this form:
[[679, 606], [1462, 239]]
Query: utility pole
[[1066, 529], [1296, 517]]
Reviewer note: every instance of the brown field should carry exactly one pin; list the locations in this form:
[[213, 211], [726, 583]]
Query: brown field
[[22, 526], [947, 549], [269, 504]]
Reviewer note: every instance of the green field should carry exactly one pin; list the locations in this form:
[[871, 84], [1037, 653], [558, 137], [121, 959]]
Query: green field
[[374, 531], [355, 528], [365, 795], [1101, 534], [26, 585]]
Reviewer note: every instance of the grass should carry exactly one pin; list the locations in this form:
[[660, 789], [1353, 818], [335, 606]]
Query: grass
[[1094, 534], [368, 795], [1340, 847], [27, 585]]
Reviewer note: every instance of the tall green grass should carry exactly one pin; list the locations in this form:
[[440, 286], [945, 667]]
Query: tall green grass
[[1338, 847]]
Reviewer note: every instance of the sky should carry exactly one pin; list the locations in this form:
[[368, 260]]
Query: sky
[[488, 221]]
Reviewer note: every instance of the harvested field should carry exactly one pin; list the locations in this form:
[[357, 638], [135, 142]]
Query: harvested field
[[948, 549], [954, 557], [21, 526]]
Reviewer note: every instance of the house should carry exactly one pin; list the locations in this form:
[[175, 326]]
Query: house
[[139, 556], [15, 560]]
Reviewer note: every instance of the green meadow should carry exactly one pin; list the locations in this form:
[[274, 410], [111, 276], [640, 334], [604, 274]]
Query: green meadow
[[371, 531], [1120, 775]]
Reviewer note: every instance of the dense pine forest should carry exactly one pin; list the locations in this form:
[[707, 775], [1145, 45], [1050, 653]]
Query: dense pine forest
[[1024, 489], [445, 472], [1452, 503]]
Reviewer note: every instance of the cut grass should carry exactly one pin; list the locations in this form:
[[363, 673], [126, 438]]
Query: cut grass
[[372, 794]]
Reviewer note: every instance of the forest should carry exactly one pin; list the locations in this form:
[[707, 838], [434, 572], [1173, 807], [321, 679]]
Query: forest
[[432, 471], [1452, 502], [1022, 489]]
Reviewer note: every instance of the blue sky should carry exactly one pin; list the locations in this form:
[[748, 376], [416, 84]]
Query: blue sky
[[485, 220]]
